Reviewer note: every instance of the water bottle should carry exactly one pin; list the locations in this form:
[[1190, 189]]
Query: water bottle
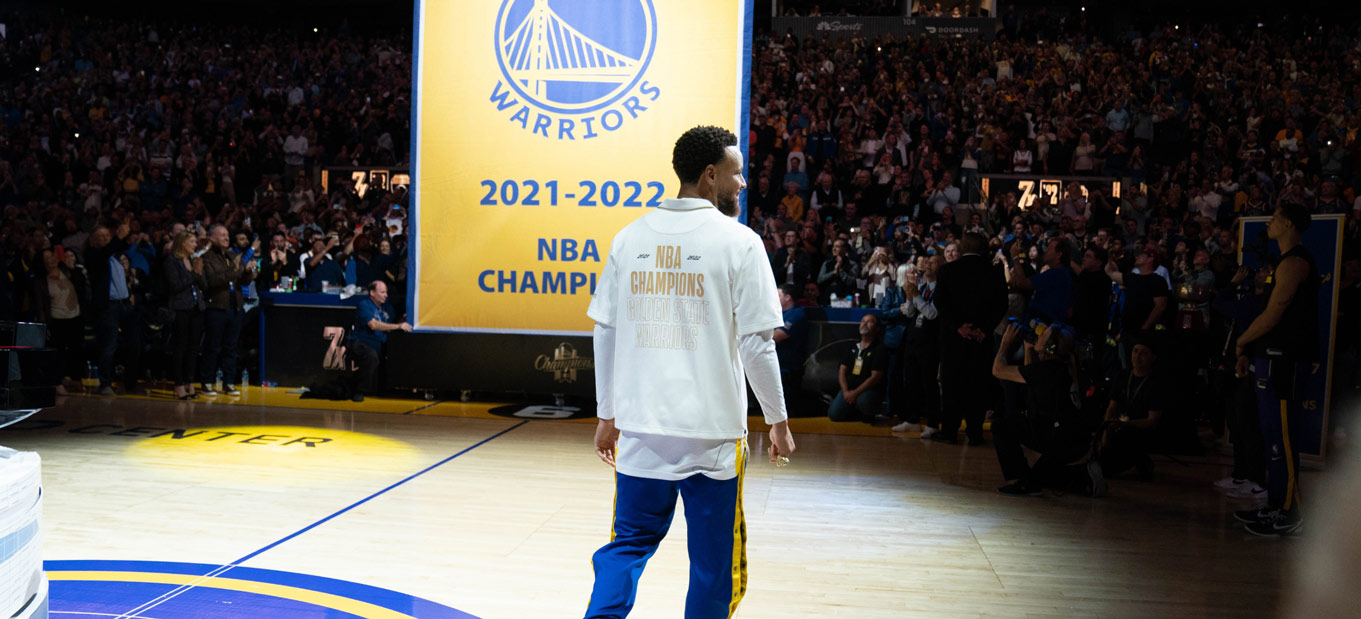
[[245, 377], [218, 383], [91, 375]]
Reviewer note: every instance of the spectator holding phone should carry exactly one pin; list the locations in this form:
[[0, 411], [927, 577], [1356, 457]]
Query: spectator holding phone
[[321, 269], [279, 262]]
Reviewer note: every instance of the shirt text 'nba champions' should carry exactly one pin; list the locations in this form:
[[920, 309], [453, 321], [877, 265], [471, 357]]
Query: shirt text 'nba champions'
[[680, 286]]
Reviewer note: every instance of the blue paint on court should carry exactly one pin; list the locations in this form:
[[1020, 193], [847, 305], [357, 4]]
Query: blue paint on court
[[114, 598], [127, 597], [375, 495]]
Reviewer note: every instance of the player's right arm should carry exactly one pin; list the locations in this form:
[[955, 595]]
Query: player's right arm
[[757, 308], [604, 311], [763, 372], [606, 435]]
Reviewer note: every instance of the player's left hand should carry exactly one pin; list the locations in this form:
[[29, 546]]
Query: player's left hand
[[606, 436]]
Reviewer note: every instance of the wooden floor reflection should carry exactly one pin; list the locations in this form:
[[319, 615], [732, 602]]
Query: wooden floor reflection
[[858, 526]]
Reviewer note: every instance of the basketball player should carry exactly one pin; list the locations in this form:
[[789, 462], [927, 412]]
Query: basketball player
[[1283, 343], [685, 304]]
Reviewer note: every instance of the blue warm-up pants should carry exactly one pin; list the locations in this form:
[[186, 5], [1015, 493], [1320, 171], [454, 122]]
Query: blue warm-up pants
[[1279, 410], [717, 533]]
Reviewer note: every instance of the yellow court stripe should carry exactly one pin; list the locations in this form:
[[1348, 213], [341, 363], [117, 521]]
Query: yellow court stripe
[[316, 598]]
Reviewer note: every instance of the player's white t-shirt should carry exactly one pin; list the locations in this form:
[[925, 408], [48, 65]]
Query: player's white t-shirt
[[680, 286], [664, 457]]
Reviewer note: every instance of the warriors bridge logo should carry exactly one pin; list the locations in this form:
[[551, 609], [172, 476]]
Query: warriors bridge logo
[[574, 69]]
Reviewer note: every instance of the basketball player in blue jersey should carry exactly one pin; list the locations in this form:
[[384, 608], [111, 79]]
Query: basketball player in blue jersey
[[686, 305], [1279, 348]]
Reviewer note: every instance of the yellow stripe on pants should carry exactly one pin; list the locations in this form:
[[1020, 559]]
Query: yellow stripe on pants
[[614, 511], [739, 535], [1291, 480], [614, 505]]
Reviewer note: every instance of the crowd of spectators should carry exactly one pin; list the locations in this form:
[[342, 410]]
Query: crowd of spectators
[[865, 163], [883, 8], [152, 169], [118, 136]]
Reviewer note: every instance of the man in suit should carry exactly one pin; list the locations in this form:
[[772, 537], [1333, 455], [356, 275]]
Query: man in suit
[[971, 299], [791, 264], [111, 306]]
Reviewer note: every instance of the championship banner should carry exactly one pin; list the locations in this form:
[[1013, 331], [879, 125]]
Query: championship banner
[[540, 129], [1323, 239]]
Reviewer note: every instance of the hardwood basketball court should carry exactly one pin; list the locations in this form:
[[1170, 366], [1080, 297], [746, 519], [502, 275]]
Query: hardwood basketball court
[[162, 509]]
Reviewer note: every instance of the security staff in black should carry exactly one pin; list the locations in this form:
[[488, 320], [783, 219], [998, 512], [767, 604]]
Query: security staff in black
[[971, 298], [1279, 348]]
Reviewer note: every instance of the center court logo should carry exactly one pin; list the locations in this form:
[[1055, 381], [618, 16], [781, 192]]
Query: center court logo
[[574, 69]]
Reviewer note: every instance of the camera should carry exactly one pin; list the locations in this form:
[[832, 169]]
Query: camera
[[1027, 329], [1032, 329]]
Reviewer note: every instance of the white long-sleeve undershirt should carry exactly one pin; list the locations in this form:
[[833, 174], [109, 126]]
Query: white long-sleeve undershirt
[[763, 372]]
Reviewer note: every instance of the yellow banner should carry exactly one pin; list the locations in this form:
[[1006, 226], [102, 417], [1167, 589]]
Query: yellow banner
[[542, 127]]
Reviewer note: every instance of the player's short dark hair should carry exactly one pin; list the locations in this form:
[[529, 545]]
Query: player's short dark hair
[[1297, 214], [1100, 253], [1065, 250], [791, 290], [699, 148], [973, 243]]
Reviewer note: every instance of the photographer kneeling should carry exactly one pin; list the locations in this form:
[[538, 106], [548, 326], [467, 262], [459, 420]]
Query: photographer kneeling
[[369, 335], [1130, 432], [1051, 423]]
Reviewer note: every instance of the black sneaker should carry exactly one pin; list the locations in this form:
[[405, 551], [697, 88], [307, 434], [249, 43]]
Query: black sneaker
[[1019, 489], [1254, 516], [358, 397], [1279, 525], [230, 390], [207, 389]]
